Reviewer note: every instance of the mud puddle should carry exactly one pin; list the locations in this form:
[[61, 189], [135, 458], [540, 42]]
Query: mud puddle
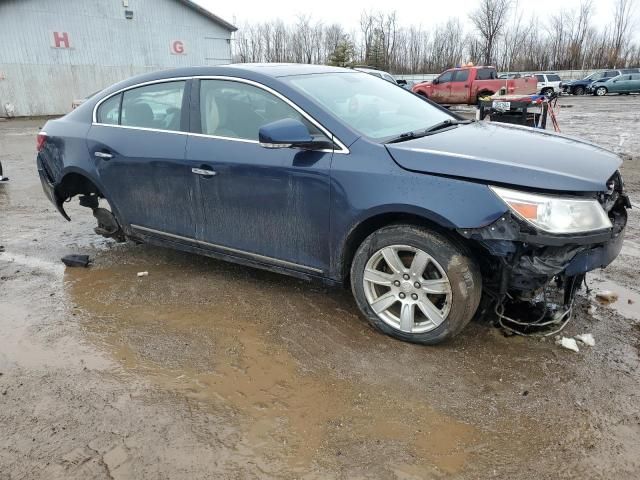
[[216, 348], [628, 301]]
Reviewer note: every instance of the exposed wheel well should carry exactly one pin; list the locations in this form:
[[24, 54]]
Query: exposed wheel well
[[367, 227], [75, 184]]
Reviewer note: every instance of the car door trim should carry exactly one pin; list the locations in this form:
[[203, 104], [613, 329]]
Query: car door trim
[[342, 148], [229, 250]]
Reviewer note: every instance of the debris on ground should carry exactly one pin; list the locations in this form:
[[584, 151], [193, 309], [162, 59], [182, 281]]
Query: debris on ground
[[143, 274], [606, 297], [592, 310], [569, 344], [1, 248], [76, 260], [586, 338]]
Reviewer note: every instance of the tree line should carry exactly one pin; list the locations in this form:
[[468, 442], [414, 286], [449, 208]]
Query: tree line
[[500, 34]]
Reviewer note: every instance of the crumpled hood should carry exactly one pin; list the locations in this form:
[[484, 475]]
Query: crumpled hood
[[510, 155]]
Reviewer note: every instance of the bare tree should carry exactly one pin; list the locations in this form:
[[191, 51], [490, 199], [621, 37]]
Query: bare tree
[[502, 35], [621, 29], [489, 19]]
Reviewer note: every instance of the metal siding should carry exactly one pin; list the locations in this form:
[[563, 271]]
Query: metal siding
[[38, 79]]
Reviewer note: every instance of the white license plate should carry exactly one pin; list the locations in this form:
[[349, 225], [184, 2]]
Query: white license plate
[[501, 105]]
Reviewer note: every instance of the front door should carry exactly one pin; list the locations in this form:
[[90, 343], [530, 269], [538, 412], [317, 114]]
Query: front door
[[442, 89], [138, 144], [460, 86], [271, 205]]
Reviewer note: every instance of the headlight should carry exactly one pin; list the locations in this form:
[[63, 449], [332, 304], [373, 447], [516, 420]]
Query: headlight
[[555, 214]]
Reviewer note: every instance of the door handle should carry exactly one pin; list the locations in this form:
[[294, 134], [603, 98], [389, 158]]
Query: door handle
[[104, 155], [204, 172]]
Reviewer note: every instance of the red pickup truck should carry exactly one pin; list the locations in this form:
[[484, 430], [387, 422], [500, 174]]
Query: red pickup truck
[[464, 85]]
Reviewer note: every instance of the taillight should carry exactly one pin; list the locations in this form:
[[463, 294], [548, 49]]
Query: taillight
[[41, 140]]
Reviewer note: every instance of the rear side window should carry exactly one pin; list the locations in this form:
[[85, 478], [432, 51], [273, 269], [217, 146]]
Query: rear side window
[[109, 111], [238, 110], [157, 106], [553, 78], [486, 74], [635, 76], [461, 76]]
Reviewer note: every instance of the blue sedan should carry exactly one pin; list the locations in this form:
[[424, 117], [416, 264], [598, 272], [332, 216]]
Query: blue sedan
[[328, 173]]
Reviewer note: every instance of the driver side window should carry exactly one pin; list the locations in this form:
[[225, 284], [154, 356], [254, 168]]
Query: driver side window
[[445, 77], [237, 110]]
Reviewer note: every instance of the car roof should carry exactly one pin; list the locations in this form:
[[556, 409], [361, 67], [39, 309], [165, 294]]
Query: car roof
[[250, 71]]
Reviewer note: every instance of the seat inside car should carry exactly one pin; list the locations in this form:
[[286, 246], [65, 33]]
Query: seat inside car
[[138, 115]]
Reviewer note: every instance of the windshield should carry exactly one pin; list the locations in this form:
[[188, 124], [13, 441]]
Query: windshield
[[378, 110], [594, 76]]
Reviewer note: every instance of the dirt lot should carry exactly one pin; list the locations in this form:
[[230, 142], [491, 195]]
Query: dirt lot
[[210, 370]]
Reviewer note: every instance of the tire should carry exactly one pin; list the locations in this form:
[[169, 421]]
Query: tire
[[449, 288], [600, 91], [547, 92], [578, 91]]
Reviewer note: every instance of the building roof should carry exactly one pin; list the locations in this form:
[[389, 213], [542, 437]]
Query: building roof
[[209, 15], [203, 11]]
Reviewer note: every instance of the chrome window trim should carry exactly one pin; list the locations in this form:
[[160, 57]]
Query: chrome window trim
[[342, 147], [255, 256]]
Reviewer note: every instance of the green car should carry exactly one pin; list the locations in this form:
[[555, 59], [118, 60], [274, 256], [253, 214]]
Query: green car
[[625, 83]]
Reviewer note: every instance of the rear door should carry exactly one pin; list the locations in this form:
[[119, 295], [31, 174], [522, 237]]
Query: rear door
[[270, 205], [634, 86], [138, 143]]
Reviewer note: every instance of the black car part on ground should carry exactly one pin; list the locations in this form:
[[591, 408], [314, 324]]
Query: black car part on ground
[[2, 177], [522, 261]]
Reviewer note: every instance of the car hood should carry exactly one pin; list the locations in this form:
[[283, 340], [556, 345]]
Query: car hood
[[510, 155]]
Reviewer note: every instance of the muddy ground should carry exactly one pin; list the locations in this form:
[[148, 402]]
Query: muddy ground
[[209, 370]]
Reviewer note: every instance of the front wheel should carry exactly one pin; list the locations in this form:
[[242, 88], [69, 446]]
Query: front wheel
[[414, 284], [547, 92], [601, 91]]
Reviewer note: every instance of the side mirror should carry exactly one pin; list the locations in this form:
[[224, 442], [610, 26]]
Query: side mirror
[[287, 133], [401, 82], [436, 81]]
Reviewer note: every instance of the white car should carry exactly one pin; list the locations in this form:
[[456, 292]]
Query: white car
[[548, 83]]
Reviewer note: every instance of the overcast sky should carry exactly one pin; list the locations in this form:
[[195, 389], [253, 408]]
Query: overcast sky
[[347, 12]]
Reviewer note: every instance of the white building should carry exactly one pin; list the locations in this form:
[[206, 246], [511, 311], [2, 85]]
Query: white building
[[55, 51]]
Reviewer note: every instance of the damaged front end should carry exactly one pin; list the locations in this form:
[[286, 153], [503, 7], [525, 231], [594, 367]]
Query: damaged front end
[[526, 263]]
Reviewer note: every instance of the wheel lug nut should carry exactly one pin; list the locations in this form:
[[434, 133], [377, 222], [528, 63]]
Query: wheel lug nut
[[402, 295], [397, 283], [417, 284], [405, 276], [414, 296]]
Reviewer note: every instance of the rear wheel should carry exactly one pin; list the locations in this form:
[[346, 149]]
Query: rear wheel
[[414, 284], [547, 92], [601, 91], [578, 91]]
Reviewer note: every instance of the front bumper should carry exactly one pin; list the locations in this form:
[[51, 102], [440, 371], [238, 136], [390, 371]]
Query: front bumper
[[523, 259]]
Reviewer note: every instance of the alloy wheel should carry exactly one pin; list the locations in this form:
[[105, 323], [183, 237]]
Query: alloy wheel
[[601, 91], [407, 288]]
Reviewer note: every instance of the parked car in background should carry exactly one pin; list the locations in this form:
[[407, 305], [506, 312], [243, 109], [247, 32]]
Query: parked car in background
[[509, 75], [385, 76], [579, 87], [548, 83], [622, 84], [465, 85], [329, 173]]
